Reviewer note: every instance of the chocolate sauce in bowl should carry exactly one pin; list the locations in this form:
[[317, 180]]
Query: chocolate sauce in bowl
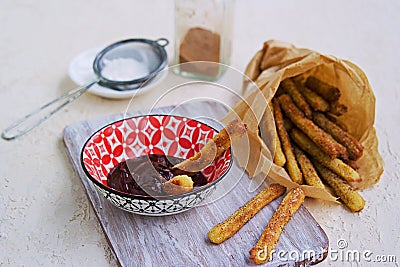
[[145, 175]]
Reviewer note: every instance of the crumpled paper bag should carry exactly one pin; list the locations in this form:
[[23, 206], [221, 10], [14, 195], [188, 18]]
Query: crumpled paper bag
[[277, 61]]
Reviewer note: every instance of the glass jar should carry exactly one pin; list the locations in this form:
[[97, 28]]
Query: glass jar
[[203, 33]]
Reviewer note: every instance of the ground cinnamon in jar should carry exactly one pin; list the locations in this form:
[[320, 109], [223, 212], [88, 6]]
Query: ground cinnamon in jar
[[200, 45]]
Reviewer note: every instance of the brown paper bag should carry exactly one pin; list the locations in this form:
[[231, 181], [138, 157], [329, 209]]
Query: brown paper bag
[[277, 61]]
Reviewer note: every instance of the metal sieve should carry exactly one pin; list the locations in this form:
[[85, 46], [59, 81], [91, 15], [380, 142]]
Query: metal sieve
[[146, 52]]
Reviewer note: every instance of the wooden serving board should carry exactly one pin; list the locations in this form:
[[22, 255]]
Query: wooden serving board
[[181, 239]]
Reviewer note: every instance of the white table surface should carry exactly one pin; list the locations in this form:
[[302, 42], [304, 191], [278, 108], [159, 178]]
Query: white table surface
[[45, 217]]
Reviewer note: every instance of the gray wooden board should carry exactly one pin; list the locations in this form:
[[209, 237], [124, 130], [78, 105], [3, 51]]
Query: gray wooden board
[[181, 240]]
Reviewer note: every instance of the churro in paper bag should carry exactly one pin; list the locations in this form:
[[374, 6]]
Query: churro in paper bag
[[277, 61]]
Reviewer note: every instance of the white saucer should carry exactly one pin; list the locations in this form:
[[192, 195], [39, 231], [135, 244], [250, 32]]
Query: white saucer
[[81, 72]]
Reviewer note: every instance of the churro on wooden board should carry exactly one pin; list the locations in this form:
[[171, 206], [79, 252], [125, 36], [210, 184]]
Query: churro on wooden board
[[262, 251], [240, 217]]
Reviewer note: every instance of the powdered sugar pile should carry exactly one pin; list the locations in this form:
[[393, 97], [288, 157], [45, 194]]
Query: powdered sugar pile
[[124, 69]]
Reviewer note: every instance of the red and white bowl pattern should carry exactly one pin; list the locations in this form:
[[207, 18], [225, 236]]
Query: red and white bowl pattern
[[151, 134]]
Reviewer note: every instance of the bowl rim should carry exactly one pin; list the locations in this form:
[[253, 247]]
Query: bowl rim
[[148, 197]]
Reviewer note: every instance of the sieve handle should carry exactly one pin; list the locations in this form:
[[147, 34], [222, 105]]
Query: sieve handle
[[19, 127], [162, 42]]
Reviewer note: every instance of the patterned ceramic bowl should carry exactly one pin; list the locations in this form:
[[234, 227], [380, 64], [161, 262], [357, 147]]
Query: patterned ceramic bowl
[[144, 135]]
